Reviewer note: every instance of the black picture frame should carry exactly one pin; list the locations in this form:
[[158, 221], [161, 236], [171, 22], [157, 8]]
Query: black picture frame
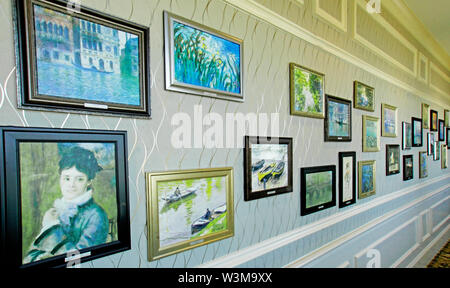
[[250, 169], [408, 167], [415, 137], [309, 209], [11, 190], [392, 159], [348, 103], [441, 130], [434, 120], [342, 176], [101, 59]]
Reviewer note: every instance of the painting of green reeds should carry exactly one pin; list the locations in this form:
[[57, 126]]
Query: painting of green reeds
[[201, 60], [307, 92]]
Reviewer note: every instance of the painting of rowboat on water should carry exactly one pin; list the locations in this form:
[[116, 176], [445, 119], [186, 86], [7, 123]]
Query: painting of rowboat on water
[[338, 120], [187, 209], [318, 189], [307, 89], [268, 167], [203, 61], [86, 61]]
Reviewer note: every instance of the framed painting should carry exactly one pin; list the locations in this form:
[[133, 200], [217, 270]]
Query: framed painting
[[347, 179], [433, 120], [430, 144], [448, 138], [202, 61], [81, 62], [367, 178], [318, 189], [389, 120], [441, 130], [268, 167], [406, 136], [444, 161], [371, 134], [392, 159], [423, 165], [188, 209], [363, 97], [425, 116], [417, 132], [338, 120], [65, 193], [437, 151], [408, 167], [447, 118], [307, 92]]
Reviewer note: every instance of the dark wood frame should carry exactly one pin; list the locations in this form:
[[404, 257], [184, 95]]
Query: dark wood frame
[[11, 229], [248, 194], [388, 147], [343, 155], [413, 119], [329, 138], [434, 115], [441, 130], [28, 97], [405, 177], [312, 170], [404, 142]]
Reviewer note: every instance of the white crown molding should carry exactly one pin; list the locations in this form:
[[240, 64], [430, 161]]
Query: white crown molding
[[434, 67], [413, 25], [247, 254], [424, 59], [253, 8], [342, 25]]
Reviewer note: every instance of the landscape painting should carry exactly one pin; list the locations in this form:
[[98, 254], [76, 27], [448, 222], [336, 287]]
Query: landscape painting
[[201, 60], [84, 62], [389, 120], [371, 134], [191, 208], [417, 132], [307, 92], [423, 165], [364, 97], [338, 121], [317, 189], [392, 159], [367, 179]]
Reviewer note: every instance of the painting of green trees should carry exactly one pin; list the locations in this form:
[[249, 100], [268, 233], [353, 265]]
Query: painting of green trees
[[307, 92]]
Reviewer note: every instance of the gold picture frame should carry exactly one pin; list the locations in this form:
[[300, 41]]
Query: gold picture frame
[[371, 135], [169, 235], [363, 97], [389, 127], [425, 116], [367, 174]]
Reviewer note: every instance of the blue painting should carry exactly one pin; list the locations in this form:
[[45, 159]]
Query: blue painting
[[338, 119], [83, 60], [367, 178], [206, 60]]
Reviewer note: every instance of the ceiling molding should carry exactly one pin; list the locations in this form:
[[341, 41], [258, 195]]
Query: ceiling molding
[[413, 25]]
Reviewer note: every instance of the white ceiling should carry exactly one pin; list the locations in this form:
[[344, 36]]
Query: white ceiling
[[435, 15]]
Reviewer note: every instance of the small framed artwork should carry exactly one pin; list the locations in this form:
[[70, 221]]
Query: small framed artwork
[[268, 167], [367, 178], [202, 61], [363, 97], [371, 134], [423, 165], [430, 146], [408, 167], [441, 130], [392, 159], [437, 151], [83, 62], [188, 209], [307, 92], [448, 138], [318, 189], [347, 178], [425, 116], [444, 161], [447, 118], [433, 120], [65, 192], [406, 136], [388, 120], [338, 120], [417, 132]]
